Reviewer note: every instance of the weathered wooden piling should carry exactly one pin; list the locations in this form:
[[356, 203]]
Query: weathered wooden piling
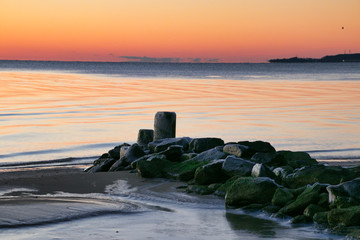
[[164, 125]]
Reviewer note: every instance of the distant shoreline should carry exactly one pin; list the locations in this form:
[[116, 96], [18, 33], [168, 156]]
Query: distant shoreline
[[355, 57]]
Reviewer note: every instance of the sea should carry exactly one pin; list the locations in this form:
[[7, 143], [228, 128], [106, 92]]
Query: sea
[[67, 114]]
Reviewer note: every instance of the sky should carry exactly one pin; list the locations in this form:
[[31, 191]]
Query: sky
[[177, 30]]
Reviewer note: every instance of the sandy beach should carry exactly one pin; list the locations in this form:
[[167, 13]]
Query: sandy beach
[[60, 194]]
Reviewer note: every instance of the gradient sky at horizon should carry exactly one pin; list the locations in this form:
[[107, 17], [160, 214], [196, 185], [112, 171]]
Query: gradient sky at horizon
[[177, 30]]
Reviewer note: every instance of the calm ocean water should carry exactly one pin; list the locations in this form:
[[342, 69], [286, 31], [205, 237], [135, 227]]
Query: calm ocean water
[[71, 112], [54, 113]]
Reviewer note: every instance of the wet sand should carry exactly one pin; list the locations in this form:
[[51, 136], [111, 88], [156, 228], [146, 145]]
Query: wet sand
[[53, 195]]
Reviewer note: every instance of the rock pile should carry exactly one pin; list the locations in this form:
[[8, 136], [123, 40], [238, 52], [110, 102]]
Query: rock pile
[[250, 175]]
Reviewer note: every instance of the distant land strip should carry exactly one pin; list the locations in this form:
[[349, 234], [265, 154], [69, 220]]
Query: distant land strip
[[355, 57]]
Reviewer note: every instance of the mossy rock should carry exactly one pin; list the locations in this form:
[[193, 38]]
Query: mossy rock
[[282, 196], [153, 166], [323, 174], [321, 217], [184, 171], [297, 159], [271, 209], [210, 173], [312, 209], [344, 216], [248, 190], [354, 234], [309, 196], [223, 188], [253, 207], [300, 219]]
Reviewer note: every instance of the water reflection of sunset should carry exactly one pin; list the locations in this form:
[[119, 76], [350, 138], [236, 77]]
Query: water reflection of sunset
[[67, 109]]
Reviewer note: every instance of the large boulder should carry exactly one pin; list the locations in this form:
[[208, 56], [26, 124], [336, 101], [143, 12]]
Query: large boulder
[[223, 188], [199, 145], [297, 159], [237, 166], [152, 166], [134, 152], [162, 144], [127, 156], [345, 194], [344, 216], [309, 196], [258, 146], [237, 150], [260, 170], [312, 209], [173, 153], [209, 155], [282, 196], [184, 171], [115, 152], [248, 190], [319, 173], [283, 171], [102, 165], [270, 159], [210, 173]]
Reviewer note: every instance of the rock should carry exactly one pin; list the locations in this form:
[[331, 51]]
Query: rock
[[297, 159], [102, 158], [115, 152], [321, 217], [300, 219], [309, 196], [324, 200], [253, 207], [214, 186], [312, 209], [162, 144], [345, 194], [282, 196], [258, 146], [102, 166], [260, 170], [320, 173], [173, 153], [187, 156], [283, 171], [237, 166], [164, 125], [199, 145], [152, 166], [145, 136], [210, 173], [123, 150], [344, 216], [223, 188], [270, 159], [236, 150], [248, 190], [209, 155], [118, 165], [354, 233], [271, 209], [184, 171], [297, 191], [133, 152]]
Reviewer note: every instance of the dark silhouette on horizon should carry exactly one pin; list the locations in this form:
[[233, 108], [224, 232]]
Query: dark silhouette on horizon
[[355, 57]]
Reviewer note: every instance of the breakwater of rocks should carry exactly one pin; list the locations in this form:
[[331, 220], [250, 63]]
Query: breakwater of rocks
[[249, 175]]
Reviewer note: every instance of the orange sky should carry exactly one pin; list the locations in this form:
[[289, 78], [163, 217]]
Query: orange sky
[[226, 30]]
